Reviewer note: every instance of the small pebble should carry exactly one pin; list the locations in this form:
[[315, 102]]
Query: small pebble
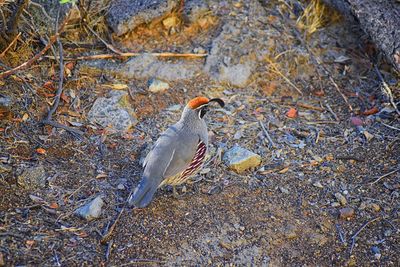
[[120, 187], [375, 207], [346, 213], [318, 184], [377, 252], [341, 199]]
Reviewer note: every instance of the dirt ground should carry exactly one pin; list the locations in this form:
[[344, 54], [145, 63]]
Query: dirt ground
[[287, 212]]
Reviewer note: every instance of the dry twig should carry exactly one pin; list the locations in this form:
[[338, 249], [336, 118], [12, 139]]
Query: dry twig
[[353, 238], [10, 45], [385, 175], [271, 143], [48, 120], [131, 54], [108, 236], [386, 90], [109, 46]]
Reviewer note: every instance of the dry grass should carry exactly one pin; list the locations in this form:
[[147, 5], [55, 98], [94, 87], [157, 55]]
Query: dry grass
[[316, 16]]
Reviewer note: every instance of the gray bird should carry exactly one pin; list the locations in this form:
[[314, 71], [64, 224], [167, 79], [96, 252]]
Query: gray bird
[[177, 154]]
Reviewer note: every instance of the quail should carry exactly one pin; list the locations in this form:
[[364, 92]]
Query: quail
[[178, 153]]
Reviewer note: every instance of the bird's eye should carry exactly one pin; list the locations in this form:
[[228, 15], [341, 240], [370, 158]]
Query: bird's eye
[[203, 112]]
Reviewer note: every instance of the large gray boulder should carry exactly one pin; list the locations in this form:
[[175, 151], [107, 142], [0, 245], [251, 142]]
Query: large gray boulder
[[125, 15]]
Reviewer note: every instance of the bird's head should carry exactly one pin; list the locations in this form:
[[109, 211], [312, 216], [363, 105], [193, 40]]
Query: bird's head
[[199, 105]]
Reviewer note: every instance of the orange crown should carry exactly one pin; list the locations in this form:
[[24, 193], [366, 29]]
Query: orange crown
[[198, 101]]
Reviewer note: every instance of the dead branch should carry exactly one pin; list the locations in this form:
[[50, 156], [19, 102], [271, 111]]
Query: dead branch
[[28, 63], [48, 120], [131, 54]]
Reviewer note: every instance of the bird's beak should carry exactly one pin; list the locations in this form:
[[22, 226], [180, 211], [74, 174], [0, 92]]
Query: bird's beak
[[218, 100]]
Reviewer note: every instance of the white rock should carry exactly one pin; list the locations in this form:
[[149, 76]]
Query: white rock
[[157, 86], [91, 210]]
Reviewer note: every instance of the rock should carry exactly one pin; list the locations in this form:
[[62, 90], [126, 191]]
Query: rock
[[284, 190], [346, 213], [335, 204], [91, 210], [146, 66], [5, 101], [199, 50], [368, 135], [318, 239], [341, 199], [113, 111], [5, 168], [236, 75], [33, 178], [157, 86], [375, 207], [241, 46], [377, 252], [240, 159], [290, 232], [356, 121], [125, 15], [318, 184], [120, 187]]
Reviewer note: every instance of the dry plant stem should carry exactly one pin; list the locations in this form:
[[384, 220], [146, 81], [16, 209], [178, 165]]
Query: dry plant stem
[[28, 63], [316, 60], [385, 175], [271, 143], [277, 71], [112, 48], [332, 112], [307, 106], [129, 54], [353, 238], [10, 45], [390, 126], [108, 236], [60, 84], [48, 120], [386, 90]]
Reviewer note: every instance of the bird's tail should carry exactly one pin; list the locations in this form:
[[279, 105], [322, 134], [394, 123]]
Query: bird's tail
[[143, 193]]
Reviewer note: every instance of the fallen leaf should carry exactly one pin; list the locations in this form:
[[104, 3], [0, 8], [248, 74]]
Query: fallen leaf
[[49, 85], [371, 111], [65, 98], [319, 93], [30, 243], [82, 234], [292, 113], [101, 175], [284, 170], [25, 117], [41, 151], [54, 205]]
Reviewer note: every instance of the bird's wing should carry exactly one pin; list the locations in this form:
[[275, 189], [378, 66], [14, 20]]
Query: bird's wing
[[171, 154]]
